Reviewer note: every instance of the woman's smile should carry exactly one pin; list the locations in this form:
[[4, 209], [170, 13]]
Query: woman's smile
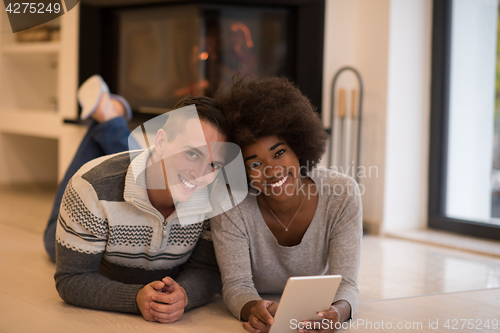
[[272, 167], [279, 182]]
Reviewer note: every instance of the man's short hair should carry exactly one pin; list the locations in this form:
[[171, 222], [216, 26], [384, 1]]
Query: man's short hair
[[207, 110]]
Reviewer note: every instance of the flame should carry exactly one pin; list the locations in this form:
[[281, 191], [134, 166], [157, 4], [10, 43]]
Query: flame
[[248, 35], [203, 55]]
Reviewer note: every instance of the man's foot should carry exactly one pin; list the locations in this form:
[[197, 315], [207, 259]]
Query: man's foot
[[94, 97], [107, 109]]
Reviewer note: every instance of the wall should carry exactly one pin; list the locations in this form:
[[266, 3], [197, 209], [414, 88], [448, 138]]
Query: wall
[[27, 159], [408, 107], [388, 41]]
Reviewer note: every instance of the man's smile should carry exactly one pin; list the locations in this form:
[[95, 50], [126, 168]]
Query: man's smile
[[187, 184]]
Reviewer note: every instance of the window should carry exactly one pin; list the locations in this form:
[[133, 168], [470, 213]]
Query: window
[[464, 179]]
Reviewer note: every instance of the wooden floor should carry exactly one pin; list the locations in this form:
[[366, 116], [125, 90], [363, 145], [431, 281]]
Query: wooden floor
[[401, 283]]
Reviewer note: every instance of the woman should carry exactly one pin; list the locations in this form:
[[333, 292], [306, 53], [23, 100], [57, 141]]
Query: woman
[[297, 220]]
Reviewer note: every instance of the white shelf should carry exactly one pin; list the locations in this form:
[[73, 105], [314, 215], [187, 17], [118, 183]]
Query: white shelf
[[31, 48], [38, 84], [42, 123]]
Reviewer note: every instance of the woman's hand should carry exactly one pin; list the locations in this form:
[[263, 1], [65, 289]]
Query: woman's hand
[[261, 316], [339, 312], [163, 301]]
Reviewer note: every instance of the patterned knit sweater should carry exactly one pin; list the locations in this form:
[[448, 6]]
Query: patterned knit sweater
[[111, 241]]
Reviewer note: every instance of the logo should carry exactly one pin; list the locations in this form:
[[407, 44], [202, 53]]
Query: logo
[[25, 15]]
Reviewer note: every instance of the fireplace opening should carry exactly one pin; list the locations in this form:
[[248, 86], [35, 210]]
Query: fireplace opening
[[155, 54]]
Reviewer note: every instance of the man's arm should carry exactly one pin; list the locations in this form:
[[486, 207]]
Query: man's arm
[[79, 283], [81, 238], [200, 275]]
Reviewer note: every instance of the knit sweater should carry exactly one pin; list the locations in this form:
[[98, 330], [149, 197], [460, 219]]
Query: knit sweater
[[252, 262], [111, 241]]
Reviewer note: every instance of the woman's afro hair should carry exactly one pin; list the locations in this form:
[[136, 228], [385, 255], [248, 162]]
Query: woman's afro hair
[[257, 108]]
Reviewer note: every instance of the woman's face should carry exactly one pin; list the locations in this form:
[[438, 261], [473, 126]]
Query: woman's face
[[272, 167]]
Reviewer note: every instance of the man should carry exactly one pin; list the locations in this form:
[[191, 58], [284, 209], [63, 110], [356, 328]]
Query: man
[[119, 243]]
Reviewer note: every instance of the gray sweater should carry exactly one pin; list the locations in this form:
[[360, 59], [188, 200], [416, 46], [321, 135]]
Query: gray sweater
[[252, 262], [111, 241]]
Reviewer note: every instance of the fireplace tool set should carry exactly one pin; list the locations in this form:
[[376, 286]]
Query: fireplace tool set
[[345, 146]]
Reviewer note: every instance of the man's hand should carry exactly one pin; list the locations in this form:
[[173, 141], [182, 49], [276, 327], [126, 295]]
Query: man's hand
[[261, 317], [163, 301]]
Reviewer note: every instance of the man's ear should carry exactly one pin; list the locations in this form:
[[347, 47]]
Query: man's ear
[[160, 140]]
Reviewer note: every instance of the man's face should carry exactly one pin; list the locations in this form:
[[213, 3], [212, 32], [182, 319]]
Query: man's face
[[192, 159]]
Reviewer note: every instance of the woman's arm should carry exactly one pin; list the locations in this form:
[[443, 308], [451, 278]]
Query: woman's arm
[[344, 246], [345, 249], [233, 255]]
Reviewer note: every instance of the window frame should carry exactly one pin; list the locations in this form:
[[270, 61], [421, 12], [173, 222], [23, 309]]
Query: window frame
[[438, 151]]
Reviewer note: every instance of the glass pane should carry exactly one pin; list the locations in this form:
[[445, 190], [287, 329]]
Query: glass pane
[[495, 174], [245, 40], [158, 58], [170, 52], [471, 193]]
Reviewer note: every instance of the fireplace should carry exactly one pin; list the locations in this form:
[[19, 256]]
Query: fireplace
[[156, 52]]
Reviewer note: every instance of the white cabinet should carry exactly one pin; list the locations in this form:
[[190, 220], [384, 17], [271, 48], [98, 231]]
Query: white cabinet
[[38, 84]]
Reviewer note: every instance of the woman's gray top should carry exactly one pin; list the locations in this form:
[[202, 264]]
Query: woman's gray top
[[252, 262]]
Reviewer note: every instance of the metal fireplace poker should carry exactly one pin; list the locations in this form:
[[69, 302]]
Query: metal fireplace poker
[[349, 129]]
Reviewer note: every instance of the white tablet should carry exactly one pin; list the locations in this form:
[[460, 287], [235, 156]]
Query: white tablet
[[302, 299]]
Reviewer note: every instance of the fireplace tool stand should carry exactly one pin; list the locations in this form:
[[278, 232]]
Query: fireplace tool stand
[[347, 147]]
